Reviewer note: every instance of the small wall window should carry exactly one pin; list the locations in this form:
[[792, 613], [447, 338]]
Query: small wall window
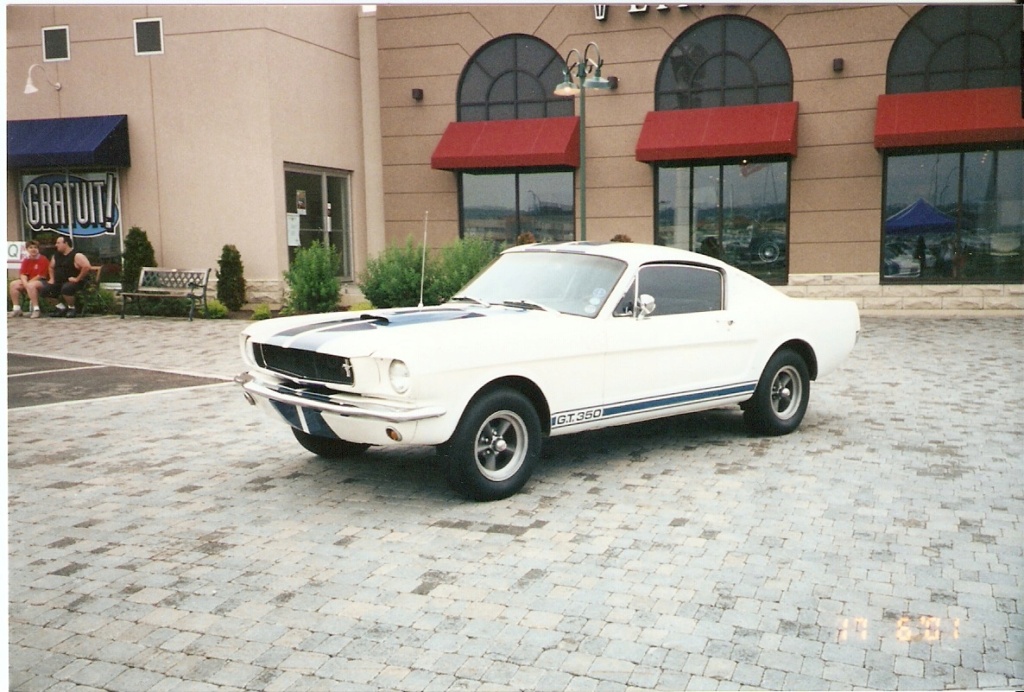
[[318, 208], [149, 36], [56, 44]]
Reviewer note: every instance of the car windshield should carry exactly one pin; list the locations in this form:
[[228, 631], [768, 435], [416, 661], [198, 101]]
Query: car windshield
[[572, 283]]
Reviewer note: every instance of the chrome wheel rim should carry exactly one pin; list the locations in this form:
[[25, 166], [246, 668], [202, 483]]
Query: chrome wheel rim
[[787, 392], [500, 446]]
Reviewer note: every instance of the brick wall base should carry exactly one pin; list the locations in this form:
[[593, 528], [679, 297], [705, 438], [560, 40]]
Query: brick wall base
[[869, 294]]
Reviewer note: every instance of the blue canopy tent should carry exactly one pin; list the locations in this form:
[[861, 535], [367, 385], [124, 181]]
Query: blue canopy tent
[[919, 218]]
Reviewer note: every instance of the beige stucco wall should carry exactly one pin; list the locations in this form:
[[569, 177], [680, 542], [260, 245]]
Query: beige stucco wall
[[238, 92], [836, 175]]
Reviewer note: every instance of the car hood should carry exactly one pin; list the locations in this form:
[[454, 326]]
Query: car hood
[[404, 332]]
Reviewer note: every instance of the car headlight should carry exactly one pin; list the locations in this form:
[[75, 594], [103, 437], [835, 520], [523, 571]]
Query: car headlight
[[398, 372]]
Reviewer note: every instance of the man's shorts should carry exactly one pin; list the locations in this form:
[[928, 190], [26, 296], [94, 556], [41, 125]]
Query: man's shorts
[[69, 288]]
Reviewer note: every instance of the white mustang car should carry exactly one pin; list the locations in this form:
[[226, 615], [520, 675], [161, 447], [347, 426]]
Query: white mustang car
[[548, 340]]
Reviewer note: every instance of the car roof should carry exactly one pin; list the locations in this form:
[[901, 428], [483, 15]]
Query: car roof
[[633, 253]]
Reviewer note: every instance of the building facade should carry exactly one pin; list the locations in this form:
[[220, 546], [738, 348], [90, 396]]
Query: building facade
[[873, 152], [244, 126]]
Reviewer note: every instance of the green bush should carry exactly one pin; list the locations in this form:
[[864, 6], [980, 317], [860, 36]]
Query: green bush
[[138, 253], [313, 279], [392, 279], [100, 302], [261, 312], [458, 263], [231, 278], [215, 310], [167, 307]]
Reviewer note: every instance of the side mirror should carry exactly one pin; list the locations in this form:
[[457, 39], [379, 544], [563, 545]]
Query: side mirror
[[647, 306]]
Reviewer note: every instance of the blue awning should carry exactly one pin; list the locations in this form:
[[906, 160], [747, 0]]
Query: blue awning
[[63, 142]]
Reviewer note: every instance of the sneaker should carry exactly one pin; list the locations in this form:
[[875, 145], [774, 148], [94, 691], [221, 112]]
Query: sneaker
[[35, 314], [59, 312], [71, 313], [14, 313]]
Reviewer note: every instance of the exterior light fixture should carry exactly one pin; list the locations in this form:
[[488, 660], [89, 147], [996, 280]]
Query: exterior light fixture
[[417, 94], [583, 72], [30, 86]]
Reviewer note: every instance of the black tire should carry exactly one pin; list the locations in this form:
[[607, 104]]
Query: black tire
[[327, 447], [493, 451], [781, 397]]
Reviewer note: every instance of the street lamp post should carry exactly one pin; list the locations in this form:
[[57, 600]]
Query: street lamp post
[[582, 72]]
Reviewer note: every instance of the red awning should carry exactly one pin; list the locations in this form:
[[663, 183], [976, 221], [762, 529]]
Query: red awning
[[936, 118], [528, 143], [718, 133]]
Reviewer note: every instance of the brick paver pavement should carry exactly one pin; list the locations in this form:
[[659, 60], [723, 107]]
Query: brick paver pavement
[[177, 540]]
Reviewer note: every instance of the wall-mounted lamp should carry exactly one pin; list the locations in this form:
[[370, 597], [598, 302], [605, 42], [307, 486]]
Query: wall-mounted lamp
[[30, 86], [838, 65], [417, 94]]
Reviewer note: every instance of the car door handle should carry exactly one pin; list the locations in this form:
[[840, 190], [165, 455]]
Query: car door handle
[[726, 322]]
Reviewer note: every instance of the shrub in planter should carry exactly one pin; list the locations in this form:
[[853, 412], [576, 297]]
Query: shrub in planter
[[313, 279], [261, 312], [231, 278], [138, 253]]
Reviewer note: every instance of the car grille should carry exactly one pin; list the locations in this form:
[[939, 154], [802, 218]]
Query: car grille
[[304, 365]]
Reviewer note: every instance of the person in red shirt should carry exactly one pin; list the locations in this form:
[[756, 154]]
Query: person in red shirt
[[35, 269]]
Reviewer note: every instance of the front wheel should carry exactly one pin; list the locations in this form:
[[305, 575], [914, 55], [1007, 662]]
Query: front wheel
[[780, 400], [328, 447], [495, 446]]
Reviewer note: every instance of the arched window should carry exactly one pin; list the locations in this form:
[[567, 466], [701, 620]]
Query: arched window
[[724, 61], [512, 77], [736, 209], [950, 47], [952, 213]]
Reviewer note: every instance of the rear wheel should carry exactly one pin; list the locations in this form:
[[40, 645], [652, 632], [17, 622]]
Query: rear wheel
[[780, 400], [495, 446], [329, 447]]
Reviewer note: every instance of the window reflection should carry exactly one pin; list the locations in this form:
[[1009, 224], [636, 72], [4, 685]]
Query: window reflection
[[500, 207], [737, 213], [954, 216]]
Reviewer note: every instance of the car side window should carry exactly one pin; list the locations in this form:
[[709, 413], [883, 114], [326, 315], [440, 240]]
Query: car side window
[[681, 289]]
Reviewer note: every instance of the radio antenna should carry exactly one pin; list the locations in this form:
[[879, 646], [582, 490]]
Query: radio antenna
[[423, 261]]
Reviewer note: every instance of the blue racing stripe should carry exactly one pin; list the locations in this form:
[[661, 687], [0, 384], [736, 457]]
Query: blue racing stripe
[[316, 424], [288, 412], [671, 400], [626, 408], [312, 340]]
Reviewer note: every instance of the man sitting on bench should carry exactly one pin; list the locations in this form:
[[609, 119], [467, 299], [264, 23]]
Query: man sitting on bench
[[69, 270]]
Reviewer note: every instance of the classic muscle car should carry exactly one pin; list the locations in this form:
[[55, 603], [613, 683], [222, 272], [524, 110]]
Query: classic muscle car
[[547, 340]]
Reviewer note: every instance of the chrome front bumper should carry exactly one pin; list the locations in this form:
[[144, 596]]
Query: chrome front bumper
[[295, 397]]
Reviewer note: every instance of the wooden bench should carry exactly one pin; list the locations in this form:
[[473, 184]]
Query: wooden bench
[[157, 282]]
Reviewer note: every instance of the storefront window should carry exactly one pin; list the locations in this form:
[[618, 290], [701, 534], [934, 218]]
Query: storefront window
[[84, 207], [736, 212], [501, 206], [317, 204], [954, 216]]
